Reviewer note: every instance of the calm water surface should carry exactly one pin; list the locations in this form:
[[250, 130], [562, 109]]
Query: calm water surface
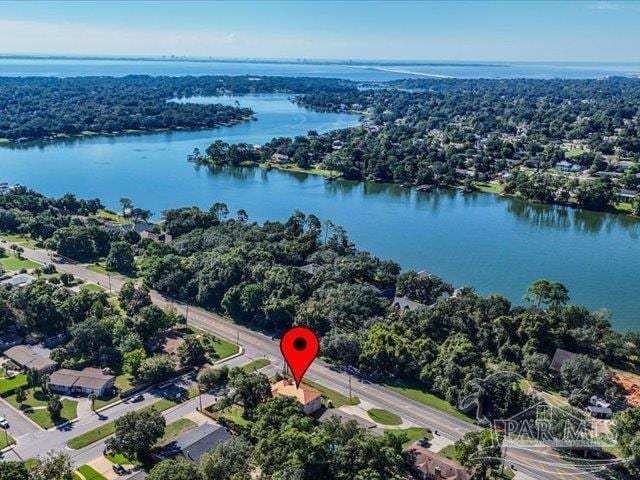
[[85, 67], [494, 244]]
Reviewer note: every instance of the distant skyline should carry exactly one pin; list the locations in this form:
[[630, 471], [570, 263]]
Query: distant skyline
[[598, 31]]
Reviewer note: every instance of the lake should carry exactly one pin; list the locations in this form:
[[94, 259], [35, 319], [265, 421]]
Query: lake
[[495, 244], [70, 67]]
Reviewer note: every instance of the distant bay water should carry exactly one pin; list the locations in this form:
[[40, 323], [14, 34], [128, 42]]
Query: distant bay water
[[70, 67], [495, 244]]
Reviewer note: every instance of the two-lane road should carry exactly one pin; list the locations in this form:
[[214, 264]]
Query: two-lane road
[[544, 464]]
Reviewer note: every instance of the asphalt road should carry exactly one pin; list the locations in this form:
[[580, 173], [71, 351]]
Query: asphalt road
[[537, 463]]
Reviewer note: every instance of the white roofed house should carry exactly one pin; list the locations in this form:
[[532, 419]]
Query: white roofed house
[[280, 158], [626, 195]]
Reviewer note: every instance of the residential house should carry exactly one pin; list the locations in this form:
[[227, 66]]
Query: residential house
[[308, 397], [565, 166], [194, 443], [26, 358], [280, 158], [158, 237], [430, 465], [345, 417], [405, 304], [19, 280], [167, 342], [600, 412], [559, 358], [310, 268], [626, 195], [85, 382]]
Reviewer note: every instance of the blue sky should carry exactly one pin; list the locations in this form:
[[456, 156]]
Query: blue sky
[[508, 31]]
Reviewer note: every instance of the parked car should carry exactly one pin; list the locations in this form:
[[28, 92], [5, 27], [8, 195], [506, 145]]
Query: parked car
[[119, 469], [3, 423], [137, 398]]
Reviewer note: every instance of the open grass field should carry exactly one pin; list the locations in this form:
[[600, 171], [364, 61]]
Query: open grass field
[[35, 397], [91, 287], [16, 264], [108, 428], [384, 417], [412, 434], [337, 399], [255, 365], [8, 384], [428, 399], [43, 418], [90, 474], [5, 440], [233, 413], [176, 428], [217, 347]]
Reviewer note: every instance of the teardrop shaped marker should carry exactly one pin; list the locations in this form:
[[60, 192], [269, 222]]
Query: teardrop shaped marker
[[299, 347]]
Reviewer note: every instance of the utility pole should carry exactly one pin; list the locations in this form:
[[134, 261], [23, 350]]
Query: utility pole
[[200, 396], [109, 277], [186, 314], [238, 338]]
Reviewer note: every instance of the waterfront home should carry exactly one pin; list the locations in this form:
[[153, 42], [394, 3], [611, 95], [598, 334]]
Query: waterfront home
[[279, 158], [28, 359], [626, 195], [162, 237], [19, 280], [433, 466], [194, 443], [308, 397], [85, 382], [405, 304]]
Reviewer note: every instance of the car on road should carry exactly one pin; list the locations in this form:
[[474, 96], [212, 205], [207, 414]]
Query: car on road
[[3, 422], [119, 469], [137, 398], [424, 442]]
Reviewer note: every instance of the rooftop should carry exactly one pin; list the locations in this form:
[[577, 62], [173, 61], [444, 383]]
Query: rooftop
[[88, 378], [26, 357], [200, 440], [434, 465], [286, 388]]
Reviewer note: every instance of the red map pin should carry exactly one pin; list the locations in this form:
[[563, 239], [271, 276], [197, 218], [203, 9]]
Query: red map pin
[[299, 347]]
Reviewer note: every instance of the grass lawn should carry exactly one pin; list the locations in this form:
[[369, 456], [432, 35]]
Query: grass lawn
[[449, 451], [75, 476], [176, 428], [15, 264], [108, 428], [489, 187], [624, 207], [123, 382], [91, 287], [573, 153], [336, 398], [43, 418], [384, 417], [98, 268], [104, 401], [111, 217], [233, 413], [24, 240], [35, 398], [412, 434], [217, 347], [8, 384], [6, 440], [255, 365], [90, 474], [121, 459], [427, 399]]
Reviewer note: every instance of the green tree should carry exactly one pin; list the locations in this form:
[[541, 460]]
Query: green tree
[[53, 466], [545, 292], [120, 258], [174, 470], [192, 352], [136, 433], [480, 451], [21, 396], [132, 362], [250, 389], [228, 460], [583, 376], [626, 428], [54, 406], [13, 471], [157, 368], [213, 377]]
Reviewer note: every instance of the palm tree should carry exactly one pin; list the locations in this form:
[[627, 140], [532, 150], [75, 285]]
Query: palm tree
[[92, 398]]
